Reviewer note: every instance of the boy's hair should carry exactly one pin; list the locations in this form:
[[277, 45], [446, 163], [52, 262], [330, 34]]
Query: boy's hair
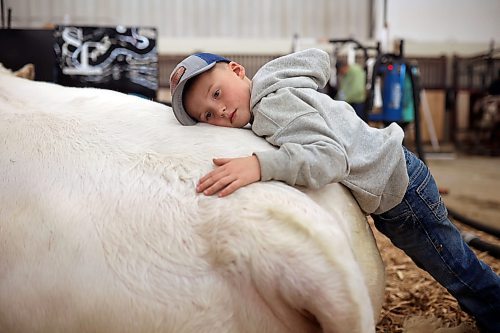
[[180, 81]]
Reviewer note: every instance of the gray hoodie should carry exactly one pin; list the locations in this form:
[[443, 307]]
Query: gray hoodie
[[321, 140]]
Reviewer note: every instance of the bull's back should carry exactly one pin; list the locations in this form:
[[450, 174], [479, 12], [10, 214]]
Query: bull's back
[[102, 229]]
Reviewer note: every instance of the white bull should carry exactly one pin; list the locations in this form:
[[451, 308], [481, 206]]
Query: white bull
[[101, 229]]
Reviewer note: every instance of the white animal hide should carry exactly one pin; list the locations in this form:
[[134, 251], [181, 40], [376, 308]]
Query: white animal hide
[[101, 229]]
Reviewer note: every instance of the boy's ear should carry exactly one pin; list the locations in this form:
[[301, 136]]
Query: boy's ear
[[237, 69]]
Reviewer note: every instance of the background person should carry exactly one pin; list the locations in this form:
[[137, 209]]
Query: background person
[[352, 86]]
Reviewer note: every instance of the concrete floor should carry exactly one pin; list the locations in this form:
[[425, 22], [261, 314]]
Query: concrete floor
[[473, 185]]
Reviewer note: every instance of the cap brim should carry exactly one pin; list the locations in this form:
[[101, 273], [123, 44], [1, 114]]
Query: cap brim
[[177, 105], [179, 111]]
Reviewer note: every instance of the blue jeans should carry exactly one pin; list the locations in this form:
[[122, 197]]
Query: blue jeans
[[419, 225]]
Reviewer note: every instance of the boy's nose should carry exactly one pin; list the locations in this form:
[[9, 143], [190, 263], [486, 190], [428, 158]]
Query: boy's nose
[[222, 112]]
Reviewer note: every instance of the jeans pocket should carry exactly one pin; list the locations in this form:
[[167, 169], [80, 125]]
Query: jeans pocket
[[429, 193], [399, 213], [396, 223]]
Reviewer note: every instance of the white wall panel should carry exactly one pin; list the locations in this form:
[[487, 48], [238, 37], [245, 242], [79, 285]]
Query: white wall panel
[[205, 18], [423, 20]]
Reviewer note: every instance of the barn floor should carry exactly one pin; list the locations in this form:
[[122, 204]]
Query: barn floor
[[472, 184]]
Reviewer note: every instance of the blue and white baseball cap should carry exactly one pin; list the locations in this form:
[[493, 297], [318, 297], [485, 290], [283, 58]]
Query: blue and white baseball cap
[[188, 68]]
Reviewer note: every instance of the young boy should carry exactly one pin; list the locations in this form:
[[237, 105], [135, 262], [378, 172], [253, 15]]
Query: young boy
[[321, 141]]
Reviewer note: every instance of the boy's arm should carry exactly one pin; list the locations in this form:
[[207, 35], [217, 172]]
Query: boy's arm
[[229, 175]]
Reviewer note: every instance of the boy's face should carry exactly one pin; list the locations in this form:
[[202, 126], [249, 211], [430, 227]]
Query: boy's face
[[220, 96]]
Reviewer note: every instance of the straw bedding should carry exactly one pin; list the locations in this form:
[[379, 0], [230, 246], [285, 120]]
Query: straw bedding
[[411, 291]]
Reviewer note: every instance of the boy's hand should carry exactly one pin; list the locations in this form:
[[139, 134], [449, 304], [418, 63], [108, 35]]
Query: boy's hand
[[229, 175]]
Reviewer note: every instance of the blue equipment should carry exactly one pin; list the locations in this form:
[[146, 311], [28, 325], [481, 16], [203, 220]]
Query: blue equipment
[[399, 90]]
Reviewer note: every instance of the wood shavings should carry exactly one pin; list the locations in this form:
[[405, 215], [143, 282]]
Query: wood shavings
[[411, 291]]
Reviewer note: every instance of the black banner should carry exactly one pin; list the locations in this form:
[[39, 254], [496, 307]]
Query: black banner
[[117, 58]]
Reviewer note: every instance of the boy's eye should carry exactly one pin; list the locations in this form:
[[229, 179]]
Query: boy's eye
[[217, 93], [208, 115]]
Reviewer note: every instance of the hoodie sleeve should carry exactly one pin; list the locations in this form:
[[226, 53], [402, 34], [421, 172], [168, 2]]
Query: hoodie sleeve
[[285, 109], [308, 153]]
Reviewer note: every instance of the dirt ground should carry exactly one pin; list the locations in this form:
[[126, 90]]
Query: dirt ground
[[472, 185]]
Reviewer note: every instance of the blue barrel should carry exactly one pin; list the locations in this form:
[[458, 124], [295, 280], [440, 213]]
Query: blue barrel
[[394, 87], [392, 91]]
